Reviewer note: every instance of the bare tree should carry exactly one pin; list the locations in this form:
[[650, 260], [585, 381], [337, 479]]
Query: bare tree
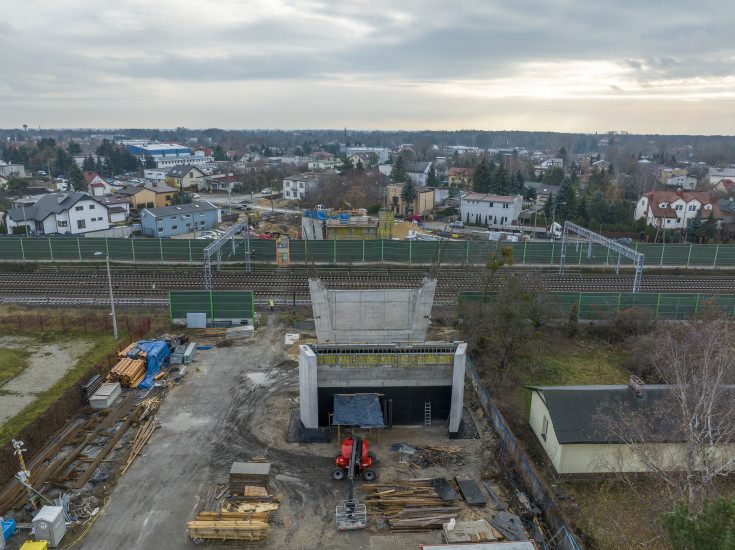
[[685, 436]]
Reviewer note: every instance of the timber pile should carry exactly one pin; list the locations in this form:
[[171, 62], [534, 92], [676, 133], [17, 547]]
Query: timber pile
[[124, 352], [409, 505], [227, 520], [447, 455], [141, 437], [129, 372]]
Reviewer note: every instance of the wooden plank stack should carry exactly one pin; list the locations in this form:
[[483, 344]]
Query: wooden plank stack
[[243, 474], [231, 520], [409, 505], [129, 372]]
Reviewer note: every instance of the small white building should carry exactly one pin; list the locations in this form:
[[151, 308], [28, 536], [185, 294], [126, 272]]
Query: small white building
[[296, 187], [60, 213], [484, 209], [418, 171], [673, 209], [97, 185]]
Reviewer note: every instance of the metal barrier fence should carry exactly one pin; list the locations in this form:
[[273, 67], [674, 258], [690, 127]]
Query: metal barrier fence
[[63, 323], [601, 306], [514, 460], [60, 249], [217, 304]]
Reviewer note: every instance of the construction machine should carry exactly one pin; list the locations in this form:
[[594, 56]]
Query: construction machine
[[354, 459]]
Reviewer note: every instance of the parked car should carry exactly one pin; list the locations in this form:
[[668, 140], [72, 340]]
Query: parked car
[[266, 191], [624, 240], [457, 225], [195, 195], [211, 234]]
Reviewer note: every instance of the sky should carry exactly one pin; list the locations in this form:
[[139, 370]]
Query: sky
[[641, 66]]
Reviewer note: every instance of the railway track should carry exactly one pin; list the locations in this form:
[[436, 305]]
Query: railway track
[[154, 286]]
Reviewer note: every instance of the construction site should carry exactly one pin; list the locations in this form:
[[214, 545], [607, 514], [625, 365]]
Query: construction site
[[358, 423]]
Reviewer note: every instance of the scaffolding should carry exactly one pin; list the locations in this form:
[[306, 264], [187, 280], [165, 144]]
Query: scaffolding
[[241, 226], [610, 244]]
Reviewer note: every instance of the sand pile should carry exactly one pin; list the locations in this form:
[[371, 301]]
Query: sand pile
[[400, 230]]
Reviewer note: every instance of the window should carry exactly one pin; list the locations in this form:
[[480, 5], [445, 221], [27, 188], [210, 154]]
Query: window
[[692, 208], [679, 207], [678, 220], [62, 224], [174, 227], [490, 205], [506, 205], [191, 174], [168, 197], [81, 224], [544, 428], [173, 217], [91, 206], [188, 226], [159, 219], [79, 208]]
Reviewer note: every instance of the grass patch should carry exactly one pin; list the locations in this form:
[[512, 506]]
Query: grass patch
[[103, 344], [577, 363], [13, 361]]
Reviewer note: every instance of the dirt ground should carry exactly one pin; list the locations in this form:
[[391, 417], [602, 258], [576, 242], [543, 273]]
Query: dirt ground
[[233, 405], [47, 364]]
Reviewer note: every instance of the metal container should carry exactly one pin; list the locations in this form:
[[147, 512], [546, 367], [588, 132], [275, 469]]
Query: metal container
[[50, 526]]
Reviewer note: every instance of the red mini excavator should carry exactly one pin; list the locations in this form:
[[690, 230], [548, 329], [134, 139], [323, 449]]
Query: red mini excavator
[[356, 460]]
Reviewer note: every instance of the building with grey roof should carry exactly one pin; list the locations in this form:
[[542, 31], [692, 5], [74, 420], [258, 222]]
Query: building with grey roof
[[178, 219], [59, 214]]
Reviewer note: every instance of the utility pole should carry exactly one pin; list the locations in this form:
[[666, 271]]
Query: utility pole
[[24, 476]]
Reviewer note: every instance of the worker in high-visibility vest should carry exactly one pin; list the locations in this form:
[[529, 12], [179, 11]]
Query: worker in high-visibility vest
[[273, 306]]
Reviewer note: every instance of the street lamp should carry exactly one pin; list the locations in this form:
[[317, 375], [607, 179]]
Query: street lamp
[[112, 299]]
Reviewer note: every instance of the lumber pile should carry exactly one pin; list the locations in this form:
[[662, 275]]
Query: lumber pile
[[124, 352], [409, 504], [141, 437], [446, 455], [244, 474], [129, 372], [225, 518]]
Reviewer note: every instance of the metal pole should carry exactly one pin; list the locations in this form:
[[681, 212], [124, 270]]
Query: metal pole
[[112, 299]]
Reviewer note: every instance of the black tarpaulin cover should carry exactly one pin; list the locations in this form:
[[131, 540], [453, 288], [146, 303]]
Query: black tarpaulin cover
[[361, 409]]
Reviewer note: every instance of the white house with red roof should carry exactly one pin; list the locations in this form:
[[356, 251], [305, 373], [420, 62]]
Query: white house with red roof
[[673, 209], [483, 209], [97, 184]]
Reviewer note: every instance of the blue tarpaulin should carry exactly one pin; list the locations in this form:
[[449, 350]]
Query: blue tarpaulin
[[362, 409], [156, 359]]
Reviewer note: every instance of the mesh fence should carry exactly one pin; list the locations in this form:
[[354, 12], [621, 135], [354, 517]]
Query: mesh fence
[[217, 304], [360, 252], [605, 306]]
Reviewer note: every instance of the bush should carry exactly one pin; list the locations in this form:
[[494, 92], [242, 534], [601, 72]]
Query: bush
[[373, 208]]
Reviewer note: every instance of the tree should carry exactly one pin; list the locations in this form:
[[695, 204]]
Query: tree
[[693, 224], [408, 194], [482, 179], [566, 200], [695, 363], [554, 175], [88, 164], [549, 208], [73, 148], [713, 527], [150, 162], [18, 186], [398, 172], [431, 178], [219, 153], [501, 181], [76, 178]]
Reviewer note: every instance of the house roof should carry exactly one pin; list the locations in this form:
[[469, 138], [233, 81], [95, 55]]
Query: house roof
[[420, 167], [113, 199], [89, 176], [488, 197], [575, 412], [657, 197], [53, 203], [181, 209], [180, 170], [727, 184], [158, 187]]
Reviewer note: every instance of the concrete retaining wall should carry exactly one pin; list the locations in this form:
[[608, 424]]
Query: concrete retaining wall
[[386, 315]]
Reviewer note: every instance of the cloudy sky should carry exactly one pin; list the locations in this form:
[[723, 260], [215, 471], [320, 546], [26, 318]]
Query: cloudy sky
[[643, 66]]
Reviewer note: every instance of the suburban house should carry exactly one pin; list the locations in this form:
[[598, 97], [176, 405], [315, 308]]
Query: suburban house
[[460, 177], [178, 219], [726, 186], [59, 213], [16, 170], [185, 175], [673, 209], [156, 194], [423, 204], [366, 159], [219, 182], [295, 187], [418, 171], [324, 164], [572, 426], [715, 175], [96, 184], [118, 207], [382, 153], [157, 174], [727, 207], [484, 209]]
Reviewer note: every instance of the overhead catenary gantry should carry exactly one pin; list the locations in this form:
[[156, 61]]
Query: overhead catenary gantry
[[241, 226], [610, 244]]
